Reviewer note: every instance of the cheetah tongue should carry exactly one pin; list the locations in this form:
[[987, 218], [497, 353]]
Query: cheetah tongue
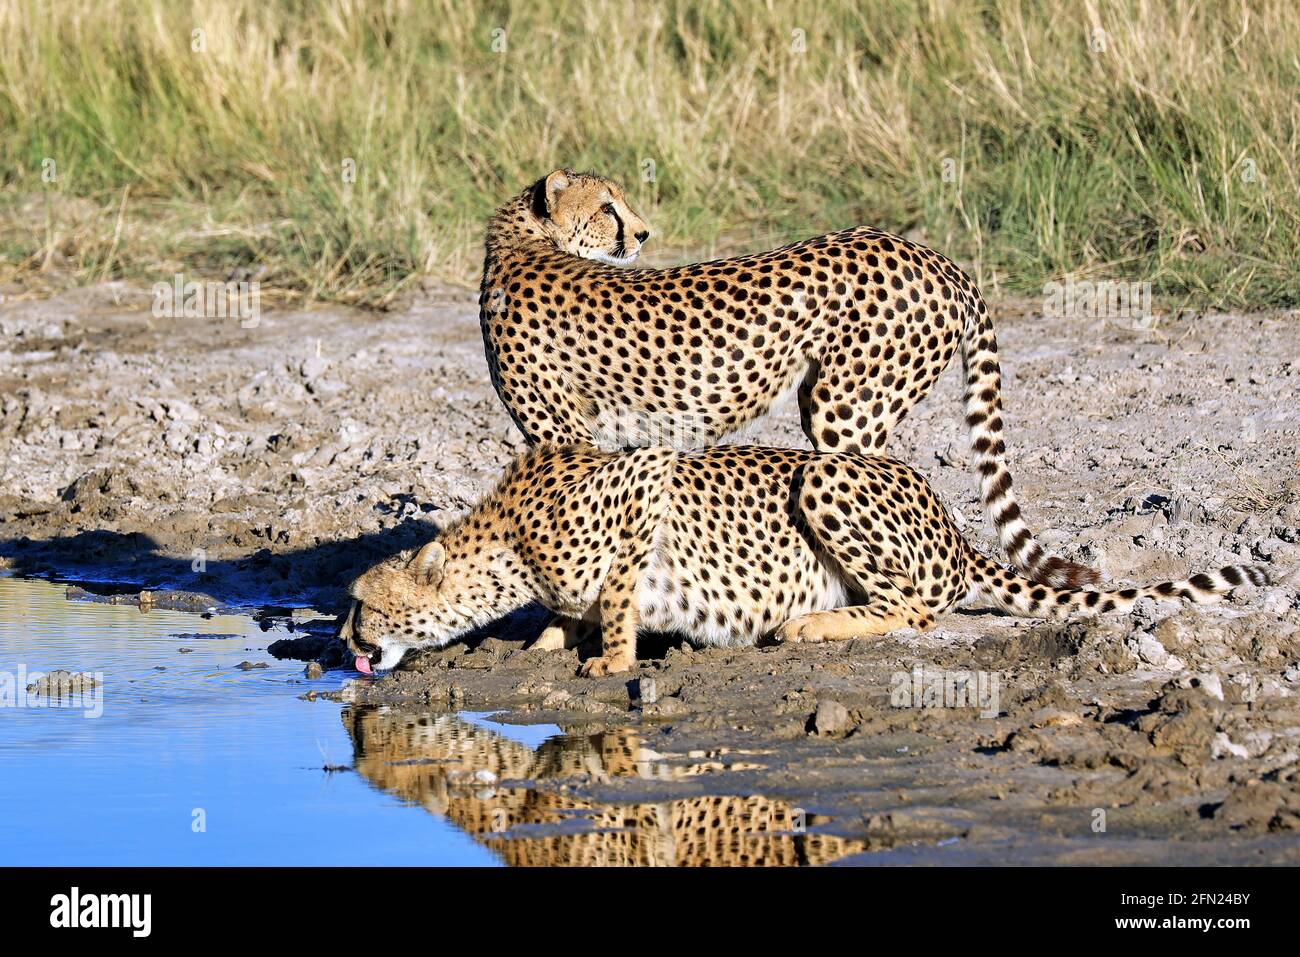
[[362, 664]]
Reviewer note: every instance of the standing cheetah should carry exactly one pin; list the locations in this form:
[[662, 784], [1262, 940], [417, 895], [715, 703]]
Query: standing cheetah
[[723, 546], [859, 322]]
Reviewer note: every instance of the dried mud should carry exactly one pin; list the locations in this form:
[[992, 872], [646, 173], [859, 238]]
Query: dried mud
[[205, 464]]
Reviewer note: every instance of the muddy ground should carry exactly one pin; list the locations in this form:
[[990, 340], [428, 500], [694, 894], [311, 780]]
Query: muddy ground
[[213, 464]]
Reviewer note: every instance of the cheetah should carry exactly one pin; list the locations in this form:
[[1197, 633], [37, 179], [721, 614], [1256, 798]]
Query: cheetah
[[531, 820], [858, 323], [723, 546]]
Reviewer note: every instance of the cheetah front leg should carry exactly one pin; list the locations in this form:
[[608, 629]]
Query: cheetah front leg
[[620, 615], [638, 486]]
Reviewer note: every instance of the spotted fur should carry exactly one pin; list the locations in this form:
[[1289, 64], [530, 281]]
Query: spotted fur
[[859, 322], [723, 546], [531, 818]]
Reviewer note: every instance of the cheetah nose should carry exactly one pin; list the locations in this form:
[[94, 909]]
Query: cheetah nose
[[643, 235]]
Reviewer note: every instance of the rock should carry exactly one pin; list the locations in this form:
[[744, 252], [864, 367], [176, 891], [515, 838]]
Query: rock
[[326, 650], [1054, 718], [831, 718], [313, 670], [647, 690], [181, 411], [1184, 719], [556, 698], [1223, 747], [667, 708], [1151, 651], [249, 666], [313, 367], [61, 683], [1260, 807], [1145, 613], [1210, 683], [1024, 740]]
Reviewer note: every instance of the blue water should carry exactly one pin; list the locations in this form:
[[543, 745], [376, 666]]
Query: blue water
[[198, 743]]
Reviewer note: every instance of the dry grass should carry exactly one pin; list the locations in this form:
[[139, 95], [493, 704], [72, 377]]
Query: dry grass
[[1133, 140]]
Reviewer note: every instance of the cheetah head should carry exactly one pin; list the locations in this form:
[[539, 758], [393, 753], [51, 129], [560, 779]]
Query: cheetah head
[[417, 601], [588, 216]]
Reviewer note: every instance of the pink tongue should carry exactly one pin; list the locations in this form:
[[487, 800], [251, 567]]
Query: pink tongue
[[362, 665]]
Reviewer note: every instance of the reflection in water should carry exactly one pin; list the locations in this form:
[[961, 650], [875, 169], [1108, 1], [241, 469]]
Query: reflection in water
[[181, 758], [450, 767]]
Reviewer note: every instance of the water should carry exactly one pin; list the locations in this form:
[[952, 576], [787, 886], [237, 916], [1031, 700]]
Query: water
[[198, 764], [202, 763]]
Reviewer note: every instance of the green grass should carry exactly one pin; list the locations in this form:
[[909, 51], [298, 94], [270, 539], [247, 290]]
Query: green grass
[[1164, 148]]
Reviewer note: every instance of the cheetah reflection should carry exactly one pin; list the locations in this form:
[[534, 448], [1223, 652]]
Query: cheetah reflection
[[436, 761]]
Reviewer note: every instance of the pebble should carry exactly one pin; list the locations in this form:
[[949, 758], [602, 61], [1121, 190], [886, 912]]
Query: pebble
[[1152, 651], [831, 717], [648, 690], [1210, 683], [313, 367]]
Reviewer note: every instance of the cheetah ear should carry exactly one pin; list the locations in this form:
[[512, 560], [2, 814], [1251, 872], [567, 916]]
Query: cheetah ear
[[545, 190], [426, 566]]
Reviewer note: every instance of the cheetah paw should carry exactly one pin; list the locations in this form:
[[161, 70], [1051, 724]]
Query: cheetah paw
[[551, 639], [799, 630], [602, 666]]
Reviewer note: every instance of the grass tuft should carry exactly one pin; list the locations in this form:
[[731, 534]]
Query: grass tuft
[[1133, 140]]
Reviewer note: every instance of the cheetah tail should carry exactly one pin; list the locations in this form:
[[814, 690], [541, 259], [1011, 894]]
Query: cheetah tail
[[984, 419], [1017, 595]]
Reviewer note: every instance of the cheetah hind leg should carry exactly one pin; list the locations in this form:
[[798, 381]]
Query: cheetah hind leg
[[563, 633], [852, 416], [887, 609]]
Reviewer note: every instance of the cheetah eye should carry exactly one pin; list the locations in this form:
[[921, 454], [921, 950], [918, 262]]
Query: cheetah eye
[[608, 209]]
